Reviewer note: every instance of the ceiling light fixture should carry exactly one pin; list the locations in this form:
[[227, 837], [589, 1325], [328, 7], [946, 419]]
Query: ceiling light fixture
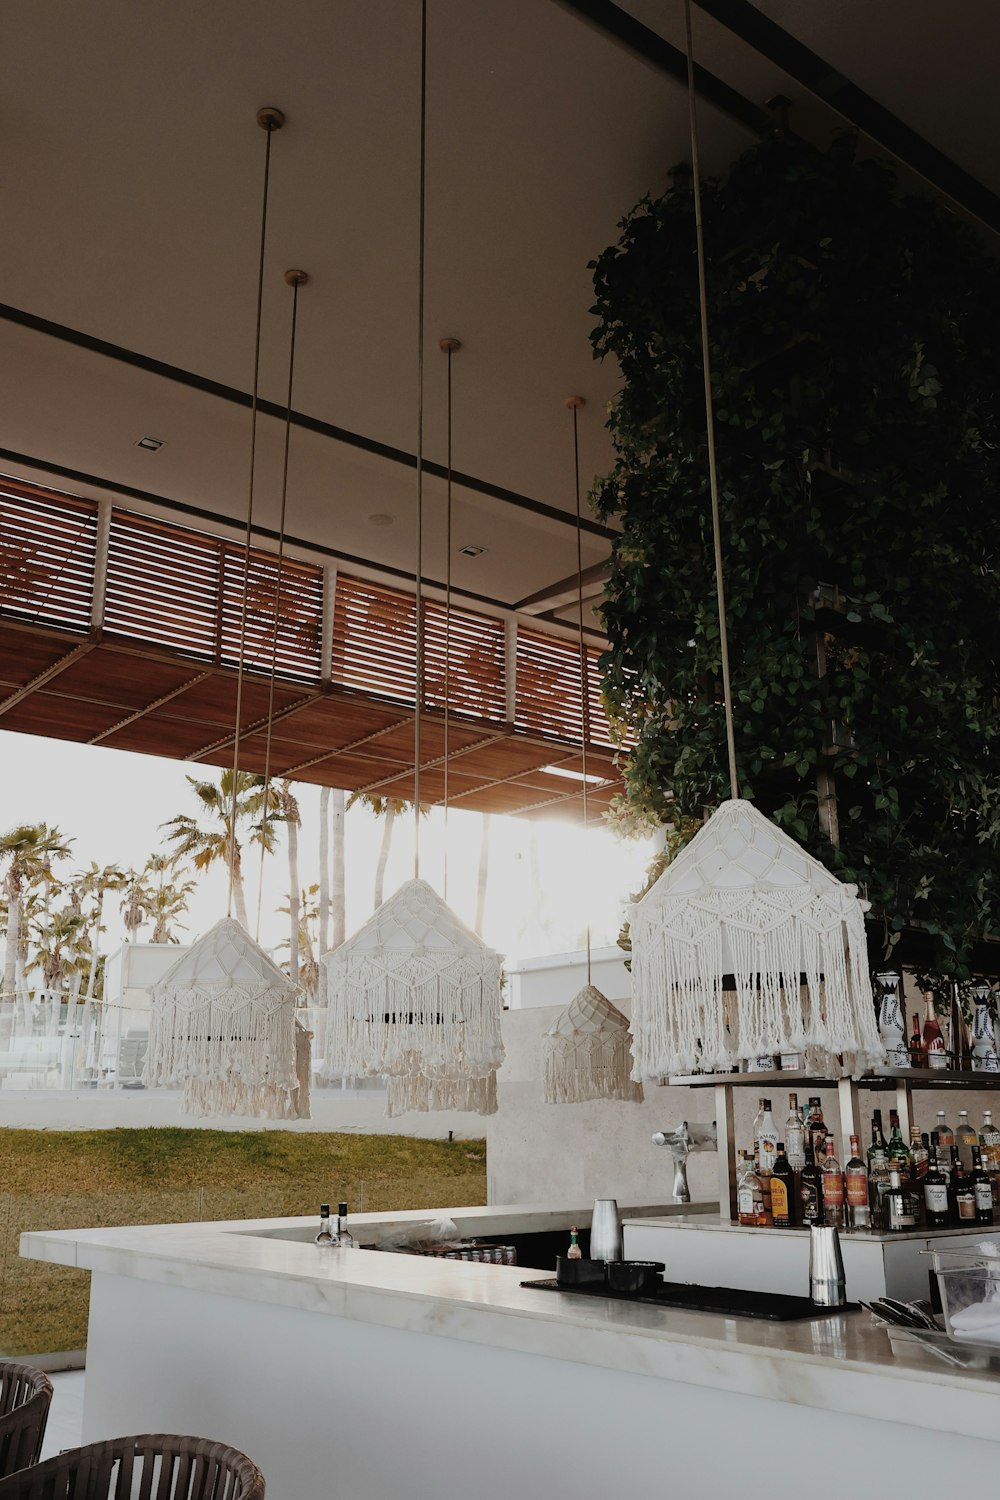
[[150, 444], [472, 550], [587, 776]]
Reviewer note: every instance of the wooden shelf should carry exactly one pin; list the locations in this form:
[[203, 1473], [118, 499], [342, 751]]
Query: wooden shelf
[[889, 1078]]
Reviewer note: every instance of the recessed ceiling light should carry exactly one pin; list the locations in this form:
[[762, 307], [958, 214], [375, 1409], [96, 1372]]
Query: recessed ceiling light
[[573, 775], [472, 550], [151, 444], [381, 518]]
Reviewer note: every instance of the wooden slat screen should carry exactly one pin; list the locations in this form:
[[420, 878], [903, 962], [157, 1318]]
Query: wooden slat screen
[[47, 549], [176, 587], [548, 689], [374, 650]]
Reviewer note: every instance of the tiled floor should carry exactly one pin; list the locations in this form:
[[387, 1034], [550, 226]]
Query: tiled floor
[[65, 1413]]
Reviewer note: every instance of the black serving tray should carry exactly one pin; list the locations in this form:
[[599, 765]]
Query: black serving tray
[[776, 1306]]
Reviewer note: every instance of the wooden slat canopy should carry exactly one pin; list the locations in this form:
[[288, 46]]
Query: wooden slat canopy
[[120, 629]]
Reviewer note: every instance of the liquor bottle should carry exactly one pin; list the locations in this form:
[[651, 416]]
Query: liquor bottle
[[892, 1021], [989, 1149], [765, 1135], [941, 1156], [933, 1037], [918, 1052], [897, 1153], [755, 1131], [833, 1186], [795, 1135], [937, 1212], [983, 1187], [574, 1252], [782, 1191], [899, 1210], [946, 1136], [811, 1189], [815, 1127], [963, 1196], [919, 1153], [966, 1139], [750, 1200], [984, 1042], [856, 1189], [878, 1139], [878, 1183], [345, 1238], [325, 1237]]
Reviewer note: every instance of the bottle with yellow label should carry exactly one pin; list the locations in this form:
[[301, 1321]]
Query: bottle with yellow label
[[782, 1190]]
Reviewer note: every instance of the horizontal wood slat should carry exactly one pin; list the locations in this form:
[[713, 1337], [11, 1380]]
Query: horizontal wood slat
[[48, 546], [549, 695]]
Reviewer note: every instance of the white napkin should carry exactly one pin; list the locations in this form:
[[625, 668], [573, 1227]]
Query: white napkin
[[980, 1320]]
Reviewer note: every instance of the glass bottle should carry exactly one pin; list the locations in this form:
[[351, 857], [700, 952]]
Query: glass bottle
[[941, 1156], [899, 1210], [983, 1188], [815, 1127], [937, 1214], [782, 1190], [811, 1189], [989, 1147], [919, 1153], [765, 1134], [345, 1238], [755, 1130], [574, 1252], [878, 1182], [892, 1021], [856, 1189], [966, 1139], [933, 1036], [833, 1186], [946, 1136], [795, 1135], [984, 1042], [325, 1236], [768, 1152], [963, 1196], [898, 1153], [750, 1200], [918, 1052], [878, 1139]]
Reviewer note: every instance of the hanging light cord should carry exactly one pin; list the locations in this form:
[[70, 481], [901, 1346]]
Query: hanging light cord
[[449, 346], [713, 478], [295, 279], [270, 120], [418, 613], [574, 403]]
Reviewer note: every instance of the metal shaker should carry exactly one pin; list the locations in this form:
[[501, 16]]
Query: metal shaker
[[826, 1267], [606, 1231]]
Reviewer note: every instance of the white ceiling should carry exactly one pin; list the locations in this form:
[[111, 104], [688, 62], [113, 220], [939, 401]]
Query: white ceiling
[[130, 201]]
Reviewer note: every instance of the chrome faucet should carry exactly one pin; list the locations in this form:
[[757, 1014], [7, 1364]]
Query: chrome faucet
[[683, 1139]]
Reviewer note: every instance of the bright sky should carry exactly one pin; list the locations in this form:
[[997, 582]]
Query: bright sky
[[546, 880]]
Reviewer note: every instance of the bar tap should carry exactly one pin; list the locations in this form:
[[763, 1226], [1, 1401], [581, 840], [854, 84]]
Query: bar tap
[[683, 1139]]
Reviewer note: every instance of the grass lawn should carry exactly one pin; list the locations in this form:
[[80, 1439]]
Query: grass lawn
[[66, 1179]]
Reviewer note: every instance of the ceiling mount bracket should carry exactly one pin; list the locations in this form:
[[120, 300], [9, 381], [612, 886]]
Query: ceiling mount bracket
[[573, 403], [296, 278], [450, 346], [270, 118]]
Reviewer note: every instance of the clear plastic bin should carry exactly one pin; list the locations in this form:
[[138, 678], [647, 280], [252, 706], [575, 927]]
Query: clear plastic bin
[[969, 1283]]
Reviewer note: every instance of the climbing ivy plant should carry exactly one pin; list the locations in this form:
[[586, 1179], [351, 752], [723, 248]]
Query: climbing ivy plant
[[855, 350]]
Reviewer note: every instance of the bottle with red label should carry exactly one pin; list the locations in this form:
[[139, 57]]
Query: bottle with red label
[[833, 1186], [933, 1036], [856, 1189]]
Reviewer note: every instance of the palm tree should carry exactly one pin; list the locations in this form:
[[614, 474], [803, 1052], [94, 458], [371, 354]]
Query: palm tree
[[137, 901], [61, 948], [289, 814], [387, 808], [324, 868], [310, 971], [219, 841], [29, 851], [484, 871], [337, 885], [89, 889], [170, 895]]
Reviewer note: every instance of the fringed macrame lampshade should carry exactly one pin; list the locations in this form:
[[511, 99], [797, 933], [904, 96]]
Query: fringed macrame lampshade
[[476, 1096], [414, 992], [743, 899], [223, 1028], [588, 1052]]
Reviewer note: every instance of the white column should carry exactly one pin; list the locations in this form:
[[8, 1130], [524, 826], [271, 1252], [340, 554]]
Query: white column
[[329, 603], [510, 667], [101, 563]]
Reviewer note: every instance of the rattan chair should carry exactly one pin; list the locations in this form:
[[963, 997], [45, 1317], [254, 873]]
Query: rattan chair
[[152, 1467], [25, 1395]]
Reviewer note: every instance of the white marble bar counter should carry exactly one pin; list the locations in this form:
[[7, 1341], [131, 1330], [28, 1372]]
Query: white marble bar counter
[[392, 1368]]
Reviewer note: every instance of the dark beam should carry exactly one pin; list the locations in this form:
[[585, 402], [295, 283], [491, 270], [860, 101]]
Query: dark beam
[[652, 48], [887, 130], [57, 667], [141, 713]]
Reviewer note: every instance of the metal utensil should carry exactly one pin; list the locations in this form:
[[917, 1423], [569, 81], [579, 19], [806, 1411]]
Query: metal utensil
[[606, 1230], [827, 1287]]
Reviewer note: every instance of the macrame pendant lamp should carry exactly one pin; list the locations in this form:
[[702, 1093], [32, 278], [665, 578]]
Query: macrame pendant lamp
[[415, 995], [587, 1053], [223, 1029], [743, 900], [222, 1021], [419, 1094]]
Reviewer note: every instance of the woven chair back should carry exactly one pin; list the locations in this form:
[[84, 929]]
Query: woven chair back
[[25, 1396], [156, 1466]]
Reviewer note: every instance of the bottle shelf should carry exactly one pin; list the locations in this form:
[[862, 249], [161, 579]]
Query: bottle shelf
[[887, 1079]]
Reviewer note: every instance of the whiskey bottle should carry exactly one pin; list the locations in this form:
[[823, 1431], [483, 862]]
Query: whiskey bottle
[[989, 1149], [878, 1182], [795, 1135], [325, 1236], [811, 1189], [345, 1238], [963, 1196], [936, 1207], [856, 1189], [966, 1139], [899, 1210], [898, 1154], [750, 1200], [878, 1139], [919, 1154], [815, 1127], [833, 1186], [782, 1191], [983, 1188]]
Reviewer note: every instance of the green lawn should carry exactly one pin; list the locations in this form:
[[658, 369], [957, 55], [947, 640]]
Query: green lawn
[[89, 1178]]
